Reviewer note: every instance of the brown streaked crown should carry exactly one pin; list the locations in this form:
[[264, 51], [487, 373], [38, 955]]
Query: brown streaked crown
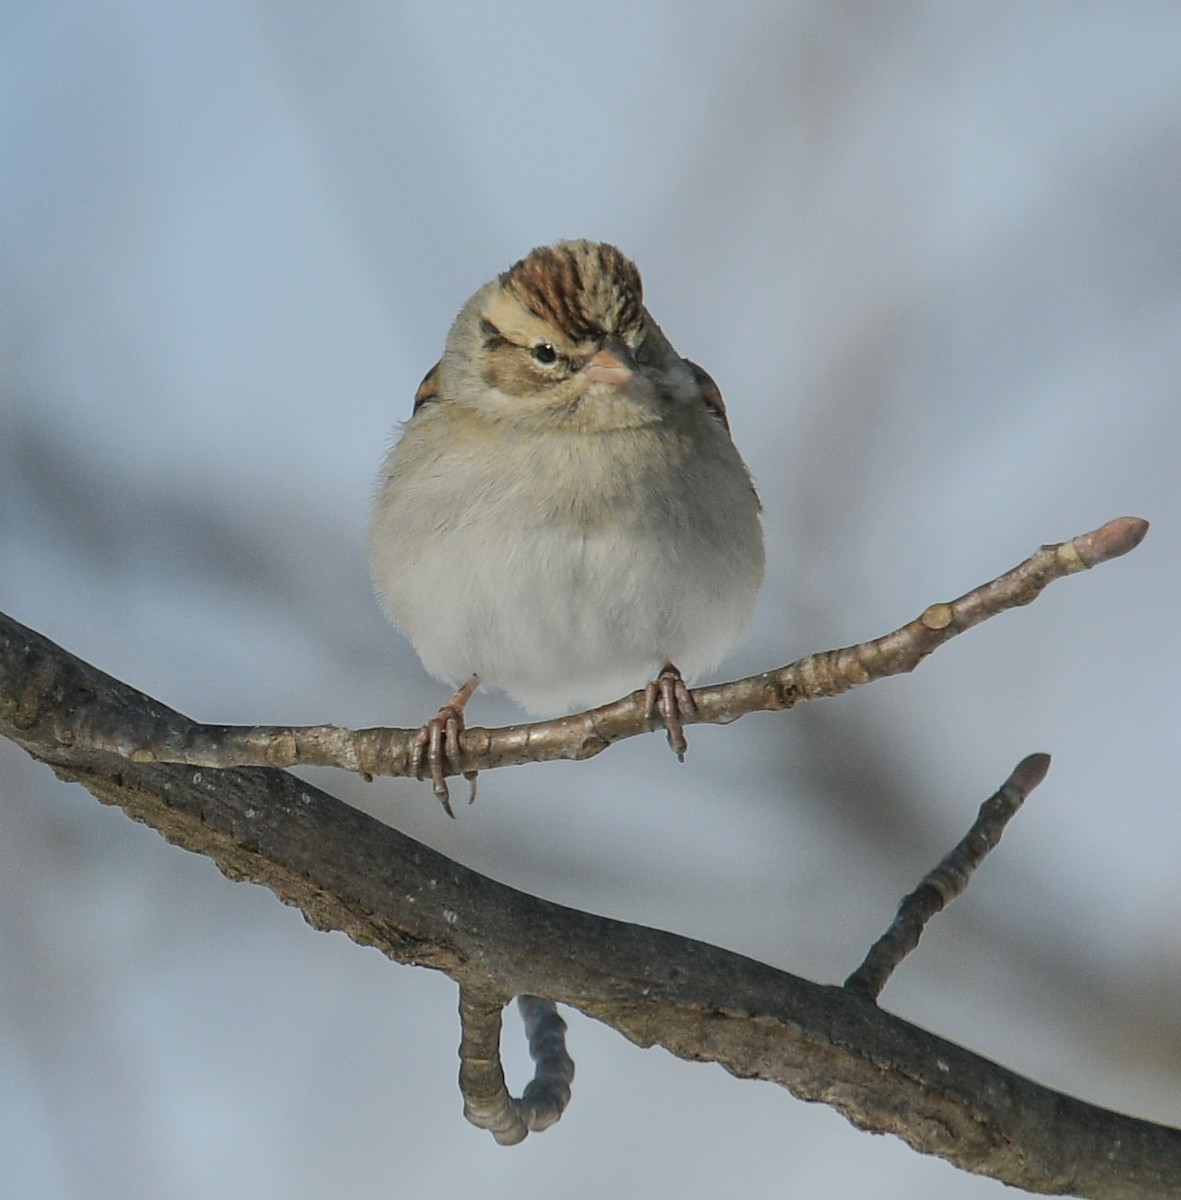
[[583, 289]]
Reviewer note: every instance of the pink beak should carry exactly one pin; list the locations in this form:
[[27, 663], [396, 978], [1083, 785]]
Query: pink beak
[[612, 363]]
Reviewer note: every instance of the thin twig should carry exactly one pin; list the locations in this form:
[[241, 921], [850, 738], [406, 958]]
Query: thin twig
[[486, 1100], [546, 1095], [942, 885], [370, 752]]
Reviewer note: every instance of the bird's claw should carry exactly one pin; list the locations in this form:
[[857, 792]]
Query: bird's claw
[[667, 699], [437, 744]]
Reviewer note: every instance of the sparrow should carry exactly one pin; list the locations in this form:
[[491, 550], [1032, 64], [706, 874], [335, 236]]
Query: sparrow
[[564, 516]]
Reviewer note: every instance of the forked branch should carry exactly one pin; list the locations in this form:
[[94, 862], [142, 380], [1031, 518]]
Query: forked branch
[[349, 872]]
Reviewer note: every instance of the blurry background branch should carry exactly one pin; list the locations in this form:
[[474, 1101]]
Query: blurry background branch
[[346, 871]]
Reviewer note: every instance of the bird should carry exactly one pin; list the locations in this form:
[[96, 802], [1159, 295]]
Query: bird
[[564, 517]]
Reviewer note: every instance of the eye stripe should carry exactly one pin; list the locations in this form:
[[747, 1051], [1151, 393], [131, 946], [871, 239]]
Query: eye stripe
[[492, 335]]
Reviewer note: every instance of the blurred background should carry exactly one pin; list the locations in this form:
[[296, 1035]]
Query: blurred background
[[931, 253]]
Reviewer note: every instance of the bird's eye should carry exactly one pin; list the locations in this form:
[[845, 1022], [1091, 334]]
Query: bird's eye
[[544, 354]]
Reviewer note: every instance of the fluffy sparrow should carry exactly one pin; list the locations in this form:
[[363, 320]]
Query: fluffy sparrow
[[564, 516]]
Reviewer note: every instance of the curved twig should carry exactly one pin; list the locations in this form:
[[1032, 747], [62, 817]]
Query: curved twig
[[486, 1100]]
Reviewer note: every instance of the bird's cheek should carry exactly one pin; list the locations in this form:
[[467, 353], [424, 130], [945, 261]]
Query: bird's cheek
[[505, 373]]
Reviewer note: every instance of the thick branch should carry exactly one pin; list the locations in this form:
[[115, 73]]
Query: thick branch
[[160, 738], [347, 871]]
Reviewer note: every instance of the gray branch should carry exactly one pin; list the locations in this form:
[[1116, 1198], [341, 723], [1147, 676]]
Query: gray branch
[[346, 871], [940, 886], [486, 1100]]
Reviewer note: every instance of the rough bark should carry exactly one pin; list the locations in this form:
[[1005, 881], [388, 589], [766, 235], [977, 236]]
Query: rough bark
[[346, 871]]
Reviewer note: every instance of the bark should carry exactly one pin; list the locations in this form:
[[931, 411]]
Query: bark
[[346, 871]]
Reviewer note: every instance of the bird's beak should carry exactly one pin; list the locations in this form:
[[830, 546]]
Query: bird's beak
[[611, 363]]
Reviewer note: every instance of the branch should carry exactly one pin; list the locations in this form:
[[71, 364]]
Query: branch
[[346, 871], [486, 1102], [948, 880], [156, 737]]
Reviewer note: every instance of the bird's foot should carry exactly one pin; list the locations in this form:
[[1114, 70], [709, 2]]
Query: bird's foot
[[436, 746], [667, 699]]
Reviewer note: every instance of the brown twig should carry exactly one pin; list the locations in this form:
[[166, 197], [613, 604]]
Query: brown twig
[[486, 1100], [942, 885], [156, 738]]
